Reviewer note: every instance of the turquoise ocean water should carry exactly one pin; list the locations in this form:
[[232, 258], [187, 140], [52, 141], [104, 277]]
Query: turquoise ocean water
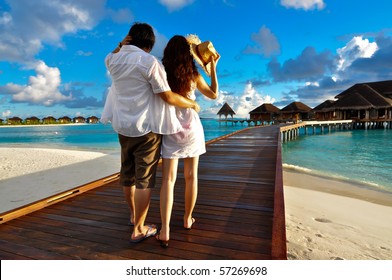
[[359, 155], [93, 137], [363, 156]]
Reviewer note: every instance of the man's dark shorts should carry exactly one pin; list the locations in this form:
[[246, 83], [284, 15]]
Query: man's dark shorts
[[139, 160]]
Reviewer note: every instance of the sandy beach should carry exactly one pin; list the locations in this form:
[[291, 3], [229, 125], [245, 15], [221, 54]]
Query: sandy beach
[[333, 220], [325, 219], [30, 174]]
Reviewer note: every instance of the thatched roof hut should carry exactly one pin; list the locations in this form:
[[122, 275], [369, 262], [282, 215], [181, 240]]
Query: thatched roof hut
[[265, 112], [323, 106], [384, 88], [226, 111], [49, 120], [14, 120], [265, 108], [364, 101], [65, 119], [296, 107], [93, 119], [32, 120], [322, 111], [79, 119], [361, 97], [295, 111]]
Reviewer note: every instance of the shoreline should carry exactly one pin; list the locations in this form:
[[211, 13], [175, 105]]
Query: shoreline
[[331, 219], [341, 187], [326, 218], [31, 174], [40, 125]]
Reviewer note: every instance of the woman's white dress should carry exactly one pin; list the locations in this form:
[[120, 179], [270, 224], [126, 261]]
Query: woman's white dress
[[187, 143]]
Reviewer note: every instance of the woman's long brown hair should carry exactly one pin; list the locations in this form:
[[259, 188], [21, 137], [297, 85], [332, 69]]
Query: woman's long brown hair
[[179, 65]]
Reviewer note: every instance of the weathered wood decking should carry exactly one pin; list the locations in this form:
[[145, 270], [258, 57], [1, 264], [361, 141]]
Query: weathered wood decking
[[239, 213]]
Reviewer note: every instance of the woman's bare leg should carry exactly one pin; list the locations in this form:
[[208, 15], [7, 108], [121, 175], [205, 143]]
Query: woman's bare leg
[[191, 188], [169, 175]]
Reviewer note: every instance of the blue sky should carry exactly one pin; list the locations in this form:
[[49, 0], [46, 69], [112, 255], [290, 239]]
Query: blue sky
[[277, 51]]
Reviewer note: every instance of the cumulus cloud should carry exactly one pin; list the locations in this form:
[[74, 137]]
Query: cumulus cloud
[[358, 61], [358, 47], [173, 5], [308, 66], [249, 100], [41, 89], [6, 114], [45, 88], [265, 41], [366, 68], [32, 23], [303, 4], [246, 102]]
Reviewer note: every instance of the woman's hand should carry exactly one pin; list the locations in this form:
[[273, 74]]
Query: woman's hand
[[214, 60]]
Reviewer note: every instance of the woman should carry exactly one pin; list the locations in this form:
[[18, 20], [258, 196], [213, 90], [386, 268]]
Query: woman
[[179, 59]]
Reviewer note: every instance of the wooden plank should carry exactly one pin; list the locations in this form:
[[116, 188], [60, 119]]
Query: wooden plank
[[238, 215], [35, 206]]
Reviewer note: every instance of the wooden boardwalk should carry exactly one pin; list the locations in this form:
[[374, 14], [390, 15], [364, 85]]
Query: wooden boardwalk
[[239, 212]]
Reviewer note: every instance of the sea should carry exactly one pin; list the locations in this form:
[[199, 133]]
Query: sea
[[362, 156]]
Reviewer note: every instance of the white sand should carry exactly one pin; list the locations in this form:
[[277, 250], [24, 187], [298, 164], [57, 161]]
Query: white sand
[[322, 225], [325, 219], [30, 174]]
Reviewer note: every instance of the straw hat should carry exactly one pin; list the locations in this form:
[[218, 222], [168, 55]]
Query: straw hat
[[202, 52]]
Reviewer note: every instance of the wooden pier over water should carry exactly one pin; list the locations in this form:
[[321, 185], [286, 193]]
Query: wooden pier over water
[[291, 131], [239, 212]]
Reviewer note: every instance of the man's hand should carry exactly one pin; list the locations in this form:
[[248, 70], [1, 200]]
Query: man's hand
[[196, 107]]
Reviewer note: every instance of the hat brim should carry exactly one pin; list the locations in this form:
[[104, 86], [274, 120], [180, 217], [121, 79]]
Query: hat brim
[[194, 52]]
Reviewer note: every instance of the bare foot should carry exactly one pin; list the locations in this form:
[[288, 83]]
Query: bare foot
[[189, 223]]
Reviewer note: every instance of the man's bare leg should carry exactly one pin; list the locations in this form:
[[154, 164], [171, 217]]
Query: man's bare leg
[[129, 195], [142, 203]]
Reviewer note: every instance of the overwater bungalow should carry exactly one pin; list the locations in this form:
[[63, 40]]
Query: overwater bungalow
[[265, 112], [364, 102], [295, 111], [322, 112], [226, 110]]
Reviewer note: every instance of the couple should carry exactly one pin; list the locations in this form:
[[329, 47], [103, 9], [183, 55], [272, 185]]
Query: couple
[[140, 106]]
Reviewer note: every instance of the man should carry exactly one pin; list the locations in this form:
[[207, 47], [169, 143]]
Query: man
[[141, 114]]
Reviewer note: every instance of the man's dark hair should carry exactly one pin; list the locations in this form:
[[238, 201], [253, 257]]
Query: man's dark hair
[[142, 35]]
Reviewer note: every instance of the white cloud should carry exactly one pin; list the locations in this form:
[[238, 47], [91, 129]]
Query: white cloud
[[356, 48], [121, 16], [83, 53], [304, 4], [266, 43], [5, 18], [6, 114], [173, 5], [249, 100], [32, 23], [42, 88]]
